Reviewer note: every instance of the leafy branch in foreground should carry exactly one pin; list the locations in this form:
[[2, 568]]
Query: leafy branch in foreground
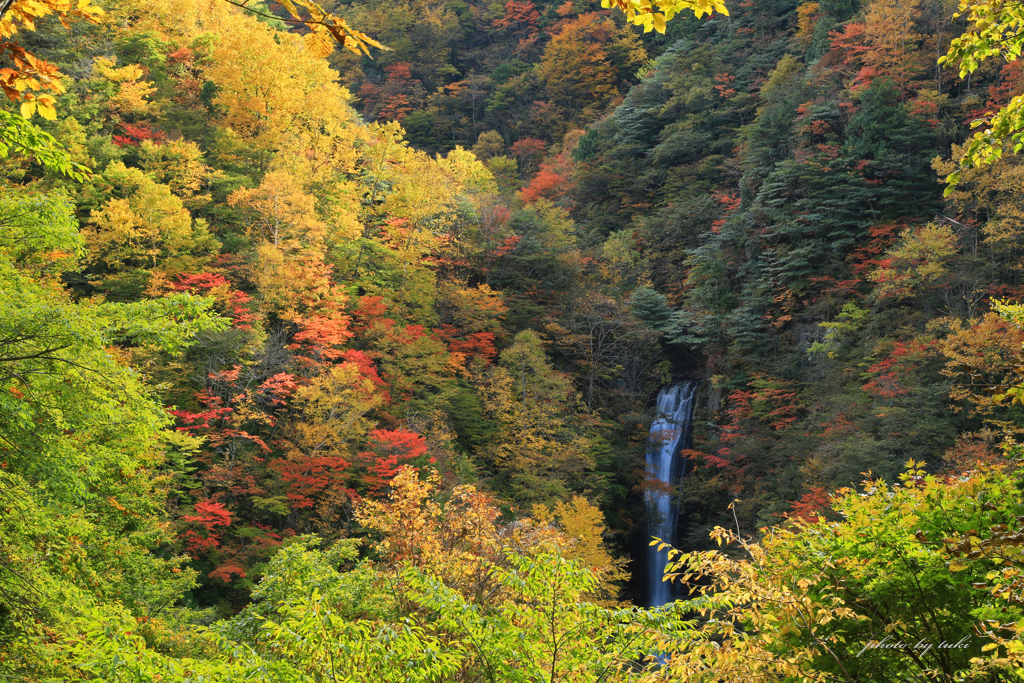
[[997, 31], [325, 28], [18, 134], [914, 581], [653, 14]]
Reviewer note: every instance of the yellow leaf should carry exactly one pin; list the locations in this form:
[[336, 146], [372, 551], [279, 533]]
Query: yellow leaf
[[288, 5], [319, 43], [47, 111], [955, 566], [27, 109]]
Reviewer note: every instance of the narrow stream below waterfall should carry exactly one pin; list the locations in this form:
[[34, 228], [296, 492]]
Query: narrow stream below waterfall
[[670, 433]]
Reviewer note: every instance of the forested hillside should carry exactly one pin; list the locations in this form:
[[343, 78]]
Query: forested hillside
[[324, 364], [763, 189]]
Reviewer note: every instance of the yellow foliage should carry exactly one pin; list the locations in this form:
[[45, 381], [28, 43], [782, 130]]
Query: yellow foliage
[[583, 523], [471, 309], [808, 18], [577, 67], [280, 212], [652, 14], [752, 611], [271, 88], [328, 27], [430, 207], [318, 43], [540, 445], [889, 27], [178, 164], [982, 355], [145, 226], [332, 409], [277, 98], [295, 283], [416, 219], [918, 262], [24, 73], [105, 67], [133, 92], [459, 542], [488, 144], [621, 263], [467, 171], [993, 195]]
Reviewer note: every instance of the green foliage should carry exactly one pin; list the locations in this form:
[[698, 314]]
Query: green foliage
[[305, 626], [20, 136], [540, 630], [650, 307], [79, 430], [850, 320], [62, 389], [995, 31], [880, 591], [110, 650]]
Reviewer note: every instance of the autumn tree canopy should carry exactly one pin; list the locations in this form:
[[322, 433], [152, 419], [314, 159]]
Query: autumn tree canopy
[[325, 364]]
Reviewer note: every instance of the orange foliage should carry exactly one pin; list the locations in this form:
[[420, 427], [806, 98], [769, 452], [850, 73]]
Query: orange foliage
[[554, 181], [225, 571], [811, 504], [320, 335], [209, 516], [520, 20], [808, 16], [724, 87], [981, 356], [309, 477], [23, 73], [867, 257], [460, 541], [904, 357], [389, 451]]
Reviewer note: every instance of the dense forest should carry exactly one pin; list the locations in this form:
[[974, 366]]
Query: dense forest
[[331, 336]]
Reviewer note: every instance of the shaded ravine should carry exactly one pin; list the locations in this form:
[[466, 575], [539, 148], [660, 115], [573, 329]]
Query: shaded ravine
[[670, 433]]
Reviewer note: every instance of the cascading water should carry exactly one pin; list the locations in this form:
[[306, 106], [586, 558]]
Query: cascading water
[[670, 432]]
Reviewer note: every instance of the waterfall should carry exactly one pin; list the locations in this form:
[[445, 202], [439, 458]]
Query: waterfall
[[670, 433]]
